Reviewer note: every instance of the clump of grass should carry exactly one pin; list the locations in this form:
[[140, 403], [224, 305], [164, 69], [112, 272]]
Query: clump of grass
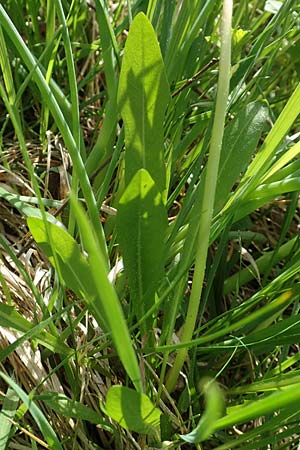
[[149, 218]]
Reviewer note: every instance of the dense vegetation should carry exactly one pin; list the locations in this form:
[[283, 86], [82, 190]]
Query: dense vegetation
[[149, 205]]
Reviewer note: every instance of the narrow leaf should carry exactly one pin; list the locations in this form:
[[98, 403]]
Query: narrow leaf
[[284, 332], [7, 414], [106, 299], [284, 398], [263, 159], [10, 318], [21, 205], [36, 413], [288, 156]]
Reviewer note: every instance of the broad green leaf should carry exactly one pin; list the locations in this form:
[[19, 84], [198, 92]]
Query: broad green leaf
[[39, 418], [241, 137], [213, 411], [143, 97], [73, 266], [89, 279], [141, 225], [65, 255], [67, 407], [132, 410]]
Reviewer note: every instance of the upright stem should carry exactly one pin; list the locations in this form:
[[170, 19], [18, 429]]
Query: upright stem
[[209, 192]]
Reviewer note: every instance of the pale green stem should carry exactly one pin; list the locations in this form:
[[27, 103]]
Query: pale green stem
[[209, 193]]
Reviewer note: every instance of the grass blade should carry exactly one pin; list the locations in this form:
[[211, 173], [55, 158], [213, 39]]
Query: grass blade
[[263, 160], [7, 414], [36, 413], [285, 398], [107, 295], [61, 122]]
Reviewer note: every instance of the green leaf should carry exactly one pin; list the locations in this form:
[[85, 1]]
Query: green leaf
[[72, 265], [288, 155], [38, 416], [109, 50], [19, 202], [241, 137], [284, 398], [143, 97], [51, 97], [89, 279], [284, 332], [142, 222], [108, 299], [213, 411], [260, 165], [132, 410], [269, 384], [10, 318], [245, 275], [7, 414], [67, 407]]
